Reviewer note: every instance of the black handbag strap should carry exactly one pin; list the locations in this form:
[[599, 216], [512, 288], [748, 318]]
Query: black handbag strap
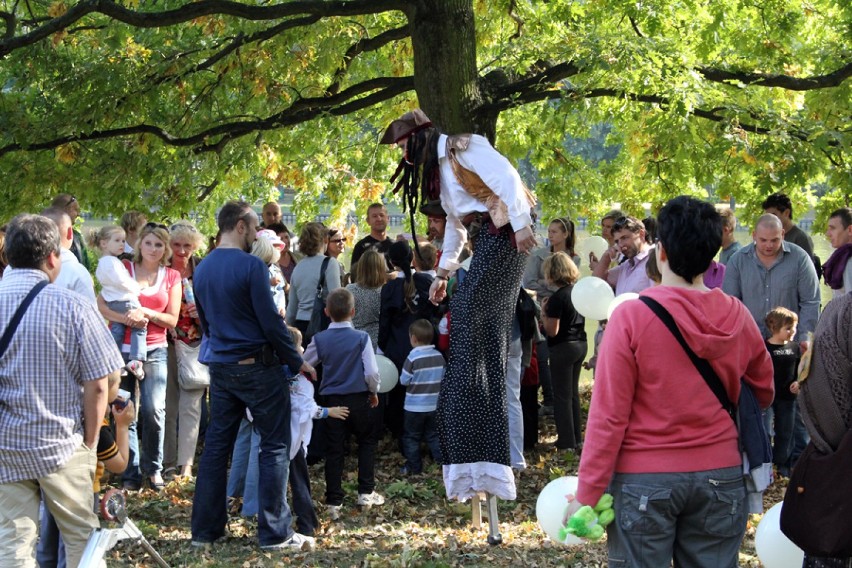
[[19, 314], [703, 366], [321, 281]]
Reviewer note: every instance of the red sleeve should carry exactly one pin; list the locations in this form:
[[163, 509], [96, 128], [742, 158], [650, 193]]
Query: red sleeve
[[609, 412]]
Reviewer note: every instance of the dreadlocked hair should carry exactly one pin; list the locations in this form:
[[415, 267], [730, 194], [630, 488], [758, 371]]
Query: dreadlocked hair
[[420, 179]]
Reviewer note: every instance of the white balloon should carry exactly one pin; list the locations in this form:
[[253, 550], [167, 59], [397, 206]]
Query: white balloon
[[618, 300], [550, 508], [773, 547], [596, 245], [591, 297], [388, 374]]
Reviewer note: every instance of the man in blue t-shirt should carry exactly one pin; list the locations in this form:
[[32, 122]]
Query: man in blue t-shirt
[[245, 343]]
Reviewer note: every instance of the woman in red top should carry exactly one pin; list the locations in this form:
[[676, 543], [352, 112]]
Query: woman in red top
[[160, 299], [657, 437]]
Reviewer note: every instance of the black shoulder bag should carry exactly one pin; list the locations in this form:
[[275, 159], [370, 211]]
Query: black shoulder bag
[[319, 321], [19, 314], [753, 439]]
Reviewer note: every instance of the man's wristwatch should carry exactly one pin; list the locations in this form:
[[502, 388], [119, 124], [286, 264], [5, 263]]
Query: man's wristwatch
[[444, 278]]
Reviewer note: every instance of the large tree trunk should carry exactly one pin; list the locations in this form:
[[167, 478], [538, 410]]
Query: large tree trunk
[[443, 36]]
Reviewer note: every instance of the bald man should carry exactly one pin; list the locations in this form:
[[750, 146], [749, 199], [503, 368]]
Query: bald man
[[771, 272], [271, 213]]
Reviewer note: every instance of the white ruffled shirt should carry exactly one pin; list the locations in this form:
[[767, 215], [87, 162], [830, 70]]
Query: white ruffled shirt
[[497, 173]]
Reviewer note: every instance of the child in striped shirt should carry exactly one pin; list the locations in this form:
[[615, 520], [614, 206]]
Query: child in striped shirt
[[422, 374]]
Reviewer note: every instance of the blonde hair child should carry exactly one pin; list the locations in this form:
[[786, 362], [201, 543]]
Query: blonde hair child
[[120, 291]]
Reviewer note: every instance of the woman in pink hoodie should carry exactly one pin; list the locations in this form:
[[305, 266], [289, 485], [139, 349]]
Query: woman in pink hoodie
[[657, 437]]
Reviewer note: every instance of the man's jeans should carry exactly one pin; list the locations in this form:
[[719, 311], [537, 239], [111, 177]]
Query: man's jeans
[[264, 391], [696, 519]]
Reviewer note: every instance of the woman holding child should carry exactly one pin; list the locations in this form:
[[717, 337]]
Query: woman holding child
[[160, 299]]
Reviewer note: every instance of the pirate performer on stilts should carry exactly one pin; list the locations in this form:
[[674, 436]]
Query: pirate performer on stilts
[[477, 187]]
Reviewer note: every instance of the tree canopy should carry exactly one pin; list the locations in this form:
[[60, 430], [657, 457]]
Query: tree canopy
[[176, 105]]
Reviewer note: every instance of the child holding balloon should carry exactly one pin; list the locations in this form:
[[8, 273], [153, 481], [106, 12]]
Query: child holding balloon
[[350, 379]]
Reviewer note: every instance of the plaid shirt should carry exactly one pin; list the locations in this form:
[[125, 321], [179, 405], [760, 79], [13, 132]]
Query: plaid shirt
[[61, 343]]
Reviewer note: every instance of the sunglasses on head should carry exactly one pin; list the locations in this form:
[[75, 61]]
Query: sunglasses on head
[[181, 225], [155, 226]]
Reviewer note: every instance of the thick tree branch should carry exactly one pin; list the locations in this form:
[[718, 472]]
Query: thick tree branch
[[537, 93], [238, 42], [303, 110], [194, 10], [827, 81], [362, 46], [11, 24]]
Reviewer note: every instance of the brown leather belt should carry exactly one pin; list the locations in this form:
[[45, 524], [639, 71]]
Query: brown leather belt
[[471, 217], [248, 361]]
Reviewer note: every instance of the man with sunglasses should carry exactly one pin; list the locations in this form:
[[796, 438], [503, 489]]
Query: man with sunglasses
[[628, 235]]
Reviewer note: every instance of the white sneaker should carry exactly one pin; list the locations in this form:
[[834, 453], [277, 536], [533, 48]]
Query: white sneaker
[[136, 368], [370, 499], [333, 511], [298, 542]]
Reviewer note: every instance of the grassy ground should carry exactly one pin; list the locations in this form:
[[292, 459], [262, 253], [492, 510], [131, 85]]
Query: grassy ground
[[417, 526]]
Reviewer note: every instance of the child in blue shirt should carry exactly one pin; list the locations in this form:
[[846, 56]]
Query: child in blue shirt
[[422, 374], [350, 379]]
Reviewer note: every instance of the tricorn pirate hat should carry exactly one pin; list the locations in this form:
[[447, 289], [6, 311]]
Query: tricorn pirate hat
[[405, 126]]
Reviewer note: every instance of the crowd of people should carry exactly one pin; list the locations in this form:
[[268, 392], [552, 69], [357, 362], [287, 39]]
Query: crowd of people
[[272, 355]]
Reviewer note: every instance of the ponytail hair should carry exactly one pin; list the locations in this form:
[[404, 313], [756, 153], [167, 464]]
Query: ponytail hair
[[95, 237], [401, 256]]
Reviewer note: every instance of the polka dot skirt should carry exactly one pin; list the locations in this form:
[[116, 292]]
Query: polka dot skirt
[[472, 414]]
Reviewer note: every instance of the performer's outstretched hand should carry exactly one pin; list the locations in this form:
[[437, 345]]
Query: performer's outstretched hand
[[438, 291], [525, 240]]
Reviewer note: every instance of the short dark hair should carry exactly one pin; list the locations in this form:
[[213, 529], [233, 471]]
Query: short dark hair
[[627, 223], [691, 233], [278, 227], [778, 201], [30, 239], [422, 330], [613, 214], [375, 206], [232, 213], [650, 229], [845, 216], [340, 303]]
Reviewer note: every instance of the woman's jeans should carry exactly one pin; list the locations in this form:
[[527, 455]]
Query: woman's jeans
[[696, 518], [147, 434]]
